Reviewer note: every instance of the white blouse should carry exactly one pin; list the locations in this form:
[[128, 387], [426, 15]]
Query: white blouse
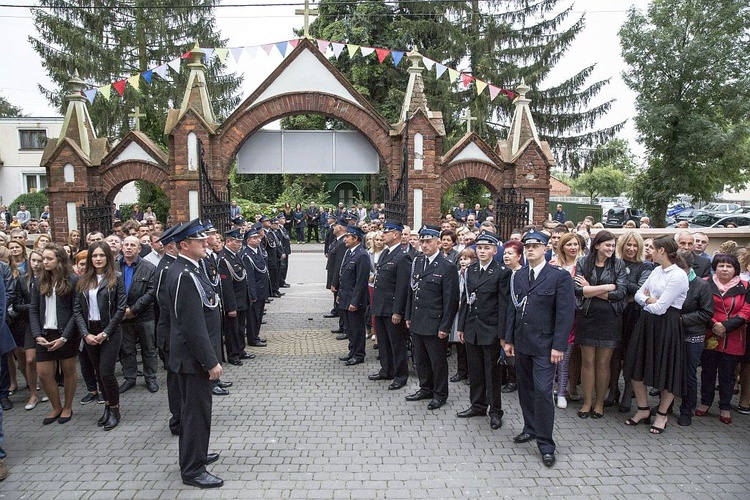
[[669, 286], [50, 311], [94, 313]]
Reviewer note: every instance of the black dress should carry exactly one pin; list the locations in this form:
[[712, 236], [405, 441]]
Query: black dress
[[600, 325]]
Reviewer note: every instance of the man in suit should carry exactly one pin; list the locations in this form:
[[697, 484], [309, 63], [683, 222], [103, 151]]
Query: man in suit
[[195, 350], [257, 282], [686, 242], [391, 288], [313, 220], [481, 321], [353, 283], [430, 310], [336, 251], [540, 317]]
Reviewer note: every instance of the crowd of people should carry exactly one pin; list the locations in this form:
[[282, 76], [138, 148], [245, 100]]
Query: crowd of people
[[558, 308]]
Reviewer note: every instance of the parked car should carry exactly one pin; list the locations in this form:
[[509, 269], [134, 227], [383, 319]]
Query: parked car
[[721, 207], [718, 220], [742, 210], [677, 208], [688, 214], [617, 216]]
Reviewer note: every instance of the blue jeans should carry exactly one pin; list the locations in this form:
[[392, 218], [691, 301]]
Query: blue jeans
[[693, 353]]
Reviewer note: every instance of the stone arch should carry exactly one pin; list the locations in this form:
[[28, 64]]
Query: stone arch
[[114, 177], [490, 175], [244, 122]]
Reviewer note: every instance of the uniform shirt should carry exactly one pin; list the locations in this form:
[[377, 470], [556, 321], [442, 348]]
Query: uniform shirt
[[669, 286]]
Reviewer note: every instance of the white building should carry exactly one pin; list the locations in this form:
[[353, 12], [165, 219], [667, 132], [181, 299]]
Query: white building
[[22, 142]]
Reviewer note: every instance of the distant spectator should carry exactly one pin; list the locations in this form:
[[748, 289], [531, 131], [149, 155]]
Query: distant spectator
[[645, 220], [136, 214], [234, 210], [5, 215], [32, 226], [43, 227], [559, 215], [45, 213], [23, 216], [460, 213], [629, 224], [149, 213], [116, 215], [374, 212], [701, 243]]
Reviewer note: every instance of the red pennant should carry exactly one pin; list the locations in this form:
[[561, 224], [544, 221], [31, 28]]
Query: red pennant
[[382, 54], [294, 42], [186, 55], [120, 86], [466, 79], [510, 94]]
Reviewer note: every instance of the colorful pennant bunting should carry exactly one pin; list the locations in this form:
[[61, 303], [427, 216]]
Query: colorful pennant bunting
[[120, 86], [397, 55]]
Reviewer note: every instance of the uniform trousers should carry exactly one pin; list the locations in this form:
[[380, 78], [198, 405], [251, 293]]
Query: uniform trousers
[[254, 318], [283, 270], [196, 423], [273, 276], [536, 376], [232, 334], [432, 364], [354, 326], [174, 397], [485, 377], [392, 349]]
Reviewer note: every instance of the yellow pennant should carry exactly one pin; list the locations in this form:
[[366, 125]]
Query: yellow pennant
[[221, 53], [452, 75], [134, 81], [480, 86], [104, 91]]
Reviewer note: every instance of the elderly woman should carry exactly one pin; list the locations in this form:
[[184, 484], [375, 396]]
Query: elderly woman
[[725, 340], [600, 287]]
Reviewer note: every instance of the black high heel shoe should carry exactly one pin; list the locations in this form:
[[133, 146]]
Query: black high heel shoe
[[612, 401], [659, 430], [645, 420]]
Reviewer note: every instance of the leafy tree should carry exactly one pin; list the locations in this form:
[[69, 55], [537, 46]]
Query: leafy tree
[[615, 153], [688, 61], [34, 202], [151, 195], [601, 181], [106, 42], [8, 110]]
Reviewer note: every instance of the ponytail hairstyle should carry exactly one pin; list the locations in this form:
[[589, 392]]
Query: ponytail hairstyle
[[669, 245]]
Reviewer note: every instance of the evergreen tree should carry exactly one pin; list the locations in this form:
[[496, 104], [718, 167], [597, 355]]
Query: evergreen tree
[[107, 42], [8, 110]]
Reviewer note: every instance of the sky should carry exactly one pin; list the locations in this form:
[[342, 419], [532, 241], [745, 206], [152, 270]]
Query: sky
[[246, 26]]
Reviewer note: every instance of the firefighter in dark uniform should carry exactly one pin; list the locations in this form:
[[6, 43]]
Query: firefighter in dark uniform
[[236, 296], [430, 310], [353, 293], [258, 284], [286, 245], [336, 252], [273, 249], [195, 350], [391, 288]]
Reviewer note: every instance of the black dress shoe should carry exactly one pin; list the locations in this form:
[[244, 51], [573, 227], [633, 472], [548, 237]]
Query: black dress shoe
[[496, 422], [218, 391], [342, 337], [378, 376], [509, 387], [286, 285], [331, 315], [548, 459], [235, 362], [204, 480], [152, 386], [396, 385], [211, 458], [263, 322], [471, 412], [354, 361], [225, 385], [420, 394], [269, 300], [126, 386], [247, 355], [278, 295], [337, 330], [436, 403], [458, 377], [345, 358], [523, 438], [257, 343]]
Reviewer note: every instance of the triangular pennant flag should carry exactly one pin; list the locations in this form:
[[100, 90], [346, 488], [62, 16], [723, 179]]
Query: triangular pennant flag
[[236, 53], [186, 55], [175, 65], [397, 55], [337, 48], [439, 69], [366, 51], [352, 49], [161, 70], [90, 94], [135, 81], [147, 75], [480, 86], [428, 63], [252, 51], [105, 91], [452, 75], [222, 53], [382, 54], [493, 92], [510, 94], [209, 53], [323, 45], [294, 42], [120, 86], [267, 47], [466, 79], [282, 48]]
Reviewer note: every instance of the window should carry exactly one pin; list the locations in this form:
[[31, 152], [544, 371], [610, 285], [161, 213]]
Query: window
[[346, 192], [34, 182], [32, 139]]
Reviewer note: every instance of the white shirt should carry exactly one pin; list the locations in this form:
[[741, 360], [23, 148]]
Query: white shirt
[[50, 311], [538, 269], [94, 313], [669, 286], [431, 258], [153, 258]]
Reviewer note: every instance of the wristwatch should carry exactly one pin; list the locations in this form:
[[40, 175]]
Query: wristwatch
[[105, 336], [63, 339]]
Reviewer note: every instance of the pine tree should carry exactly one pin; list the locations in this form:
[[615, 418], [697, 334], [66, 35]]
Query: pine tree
[[107, 42], [9, 110]]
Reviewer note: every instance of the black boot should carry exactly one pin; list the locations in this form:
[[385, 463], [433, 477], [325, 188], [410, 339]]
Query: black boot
[[105, 416], [114, 418]]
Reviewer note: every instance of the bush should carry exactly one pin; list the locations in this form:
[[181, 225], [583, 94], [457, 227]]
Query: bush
[[34, 202]]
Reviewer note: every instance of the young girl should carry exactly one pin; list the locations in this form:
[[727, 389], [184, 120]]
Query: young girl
[[466, 258]]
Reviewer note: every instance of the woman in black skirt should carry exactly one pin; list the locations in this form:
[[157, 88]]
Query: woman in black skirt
[[99, 310], [655, 353], [54, 328]]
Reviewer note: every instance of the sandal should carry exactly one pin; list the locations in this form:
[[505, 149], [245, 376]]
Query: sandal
[[702, 413], [645, 420], [659, 430], [745, 410]]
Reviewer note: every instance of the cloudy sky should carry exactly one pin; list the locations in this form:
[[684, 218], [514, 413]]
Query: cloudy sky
[[247, 26]]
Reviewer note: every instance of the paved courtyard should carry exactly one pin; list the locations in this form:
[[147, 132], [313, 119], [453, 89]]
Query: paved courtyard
[[300, 424]]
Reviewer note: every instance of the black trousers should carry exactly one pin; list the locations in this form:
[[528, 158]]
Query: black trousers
[[432, 363], [536, 375], [196, 423], [462, 365], [273, 278], [485, 377], [354, 325], [232, 334], [254, 318], [174, 397], [310, 229], [283, 269], [392, 349], [104, 359]]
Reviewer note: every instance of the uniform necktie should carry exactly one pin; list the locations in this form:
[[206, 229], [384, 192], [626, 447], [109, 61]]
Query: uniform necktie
[[481, 272], [531, 277]]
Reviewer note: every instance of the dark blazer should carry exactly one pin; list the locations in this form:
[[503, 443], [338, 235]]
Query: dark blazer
[[483, 321], [22, 301], [286, 241], [257, 274], [273, 247], [410, 250], [391, 286], [66, 320], [311, 214], [111, 303], [545, 321], [614, 274], [160, 291], [433, 304], [7, 343], [235, 292], [698, 309], [701, 266], [141, 296], [354, 278], [452, 256], [195, 328], [336, 252]]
